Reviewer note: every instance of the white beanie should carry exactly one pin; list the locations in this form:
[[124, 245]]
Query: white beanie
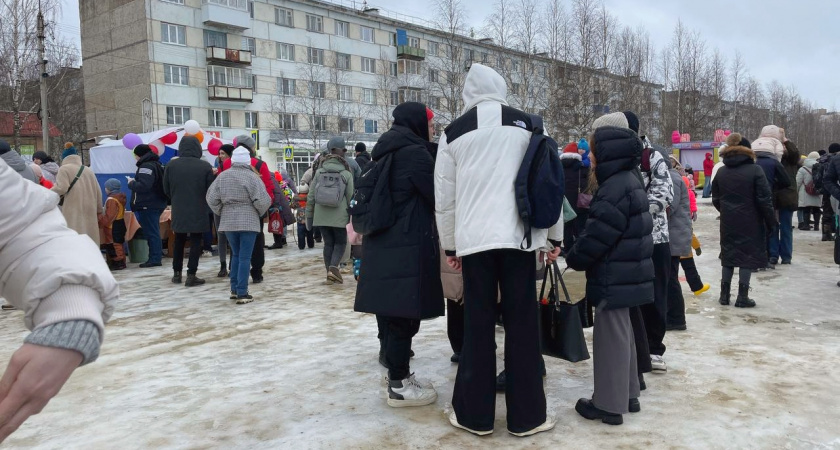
[[813, 155], [616, 119], [241, 156]]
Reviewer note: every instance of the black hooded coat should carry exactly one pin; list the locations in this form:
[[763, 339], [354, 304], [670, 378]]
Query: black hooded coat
[[185, 181], [400, 273]]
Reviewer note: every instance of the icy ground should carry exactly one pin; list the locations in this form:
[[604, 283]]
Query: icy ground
[[297, 369]]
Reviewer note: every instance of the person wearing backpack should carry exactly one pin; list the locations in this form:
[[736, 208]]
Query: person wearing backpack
[[477, 185], [828, 210], [327, 203], [148, 200], [809, 198]]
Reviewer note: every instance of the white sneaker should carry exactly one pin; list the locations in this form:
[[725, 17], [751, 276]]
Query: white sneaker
[[454, 421], [550, 421], [409, 392], [658, 364], [423, 383]]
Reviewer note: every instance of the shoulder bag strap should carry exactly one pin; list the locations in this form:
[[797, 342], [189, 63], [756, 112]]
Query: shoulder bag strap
[[559, 276], [72, 183]]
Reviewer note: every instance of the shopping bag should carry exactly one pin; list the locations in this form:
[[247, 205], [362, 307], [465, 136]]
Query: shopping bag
[[561, 331], [275, 221]]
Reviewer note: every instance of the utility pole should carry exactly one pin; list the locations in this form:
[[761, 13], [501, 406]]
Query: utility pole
[[45, 117]]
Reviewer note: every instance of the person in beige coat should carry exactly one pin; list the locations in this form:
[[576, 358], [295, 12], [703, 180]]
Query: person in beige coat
[[83, 204]]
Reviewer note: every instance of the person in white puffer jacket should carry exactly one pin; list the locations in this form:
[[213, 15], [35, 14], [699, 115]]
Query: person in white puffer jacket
[[60, 281], [477, 163]]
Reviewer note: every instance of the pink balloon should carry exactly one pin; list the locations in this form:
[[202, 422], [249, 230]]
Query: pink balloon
[[213, 146], [234, 142]]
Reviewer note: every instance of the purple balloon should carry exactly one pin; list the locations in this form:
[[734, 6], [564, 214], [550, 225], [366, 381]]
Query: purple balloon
[[131, 140]]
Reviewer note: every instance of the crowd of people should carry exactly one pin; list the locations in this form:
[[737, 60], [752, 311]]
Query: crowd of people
[[435, 229]]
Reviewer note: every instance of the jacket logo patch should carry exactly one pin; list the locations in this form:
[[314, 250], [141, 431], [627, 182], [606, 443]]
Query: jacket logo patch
[[520, 123], [145, 171]]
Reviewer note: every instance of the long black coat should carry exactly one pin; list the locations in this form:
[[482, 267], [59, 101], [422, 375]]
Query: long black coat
[[742, 195], [616, 245], [400, 273], [185, 181], [572, 165]]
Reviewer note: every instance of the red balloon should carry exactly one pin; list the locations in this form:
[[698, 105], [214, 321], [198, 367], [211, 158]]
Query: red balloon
[[157, 147], [213, 146], [169, 139]]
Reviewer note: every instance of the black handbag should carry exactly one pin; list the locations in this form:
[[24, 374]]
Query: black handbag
[[561, 331]]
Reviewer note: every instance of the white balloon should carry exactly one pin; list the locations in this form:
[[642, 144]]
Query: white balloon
[[192, 127]]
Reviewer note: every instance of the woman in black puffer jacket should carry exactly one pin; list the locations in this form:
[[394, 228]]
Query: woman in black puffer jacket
[[615, 249]]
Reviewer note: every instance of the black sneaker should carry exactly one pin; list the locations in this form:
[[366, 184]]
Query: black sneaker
[[672, 327], [150, 264], [585, 408], [634, 405], [244, 299], [257, 280]]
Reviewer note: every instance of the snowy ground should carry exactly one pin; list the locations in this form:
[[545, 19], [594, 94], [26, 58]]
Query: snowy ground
[[185, 368]]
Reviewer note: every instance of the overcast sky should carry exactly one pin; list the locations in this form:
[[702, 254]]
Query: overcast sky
[[793, 41]]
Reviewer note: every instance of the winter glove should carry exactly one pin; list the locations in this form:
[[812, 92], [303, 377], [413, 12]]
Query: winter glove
[[309, 224], [699, 251]]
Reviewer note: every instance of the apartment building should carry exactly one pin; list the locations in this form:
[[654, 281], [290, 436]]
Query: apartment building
[[298, 71]]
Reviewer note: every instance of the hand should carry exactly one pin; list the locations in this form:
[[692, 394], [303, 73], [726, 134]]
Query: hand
[[129, 180], [552, 255], [699, 251], [34, 376], [454, 263]]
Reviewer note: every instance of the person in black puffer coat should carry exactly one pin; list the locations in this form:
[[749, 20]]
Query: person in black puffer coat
[[742, 194], [615, 249], [400, 275], [148, 200]]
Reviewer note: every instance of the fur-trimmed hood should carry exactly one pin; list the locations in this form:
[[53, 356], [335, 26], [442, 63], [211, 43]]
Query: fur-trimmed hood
[[576, 156], [737, 155]]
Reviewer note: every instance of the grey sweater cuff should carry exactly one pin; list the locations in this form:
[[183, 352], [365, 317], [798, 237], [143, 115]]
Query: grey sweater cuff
[[79, 335]]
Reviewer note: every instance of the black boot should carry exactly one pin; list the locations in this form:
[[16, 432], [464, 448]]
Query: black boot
[[743, 300], [176, 278], [193, 280], [223, 272], [585, 408], [725, 293]]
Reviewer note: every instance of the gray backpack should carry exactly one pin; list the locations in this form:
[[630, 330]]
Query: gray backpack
[[331, 189]]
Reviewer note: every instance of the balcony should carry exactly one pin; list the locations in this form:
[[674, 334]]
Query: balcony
[[230, 93], [226, 13], [228, 55], [409, 52]]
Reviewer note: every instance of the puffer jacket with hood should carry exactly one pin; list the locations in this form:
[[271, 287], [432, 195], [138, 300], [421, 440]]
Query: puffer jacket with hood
[[185, 181], [50, 170], [803, 178], [660, 191], [478, 159], [16, 162], [770, 142]]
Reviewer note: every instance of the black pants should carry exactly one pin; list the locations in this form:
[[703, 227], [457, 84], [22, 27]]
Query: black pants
[[474, 400], [455, 325], [306, 238], [807, 211], [695, 283], [828, 216], [335, 242], [396, 334], [744, 275], [655, 313], [258, 255], [676, 301], [195, 252], [317, 234]]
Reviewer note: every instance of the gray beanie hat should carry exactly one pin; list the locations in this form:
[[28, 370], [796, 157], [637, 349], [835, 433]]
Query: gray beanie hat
[[336, 142], [247, 141], [616, 119], [112, 185]]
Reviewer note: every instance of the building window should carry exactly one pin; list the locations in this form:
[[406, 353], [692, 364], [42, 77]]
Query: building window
[[319, 123], [230, 77], [314, 23], [342, 61], [250, 44], [342, 28], [176, 75], [286, 52], [433, 49], [469, 55], [434, 76], [369, 96], [315, 56], [173, 34], [288, 122], [345, 125], [395, 98], [409, 66], [317, 89], [215, 39], [286, 87], [485, 58], [392, 39], [345, 93], [251, 8], [367, 34], [368, 65], [410, 95], [179, 2], [177, 115], [371, 126], [284, 17], [414, 42], [219, 118], [394, 69], [251, 120]]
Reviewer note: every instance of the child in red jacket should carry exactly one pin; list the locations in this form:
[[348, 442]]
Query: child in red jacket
[[112, 225]]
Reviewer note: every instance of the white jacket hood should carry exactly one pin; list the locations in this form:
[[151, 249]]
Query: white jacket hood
[[483, 84], [769, 141]]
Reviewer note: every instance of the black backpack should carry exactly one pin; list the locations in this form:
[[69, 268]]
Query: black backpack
[[818, 173], [372, 206], [539, 185]]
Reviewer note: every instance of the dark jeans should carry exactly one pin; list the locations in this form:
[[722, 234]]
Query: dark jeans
[[306, 238], [655, 313], [781, 238], [242, 243], [178, 252], [474, 400], [455, 325], [707, 187], [807, 212], [691, 274], [396, 334], [149, 220], [258, 255], [223, 243], [335, 242], [744, 275], [676, 301], [317, 233], [828, 216]]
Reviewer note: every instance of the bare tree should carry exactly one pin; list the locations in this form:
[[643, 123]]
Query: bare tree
[[452, 64]]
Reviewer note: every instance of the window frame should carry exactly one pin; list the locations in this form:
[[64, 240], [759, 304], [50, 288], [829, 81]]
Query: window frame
[[342, 25], [183, 74], [284, 45], [368, 96], [394, 98], [345, 93], [362, 30], [319, 88], [254, 118], [293, 125], [182, 110], [168, 34], [211, 35], [368, 61], [319, 122], [318, 20], [350, 122], [374, 126], [433, 45], [320, 56], [224, 116], [346, 57], [434, 76], [283, 83], [246, 42], [288, 16]]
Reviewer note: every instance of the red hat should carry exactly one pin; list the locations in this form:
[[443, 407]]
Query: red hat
[[570, 148], [429, 114]]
